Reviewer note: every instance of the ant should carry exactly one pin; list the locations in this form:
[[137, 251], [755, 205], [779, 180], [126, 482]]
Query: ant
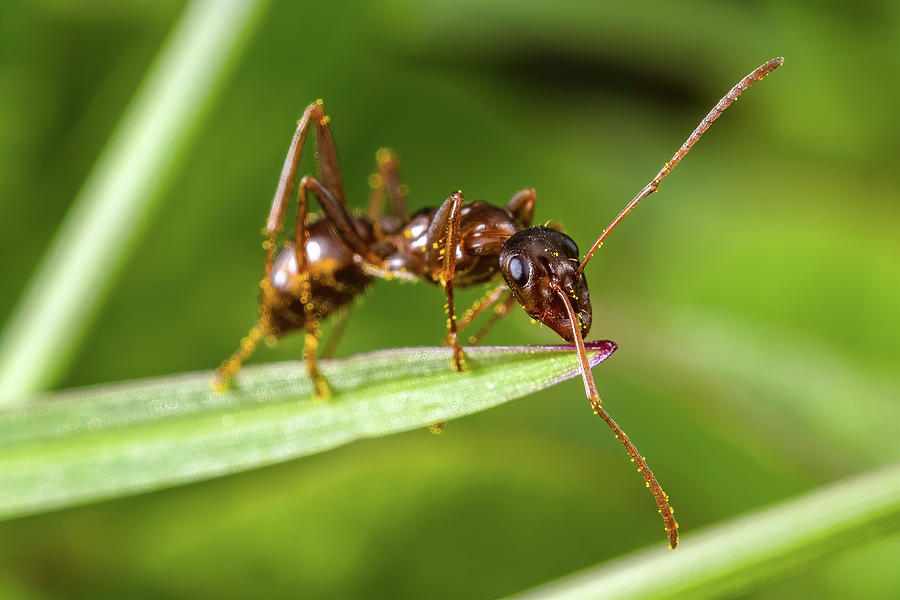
[[335, 258]]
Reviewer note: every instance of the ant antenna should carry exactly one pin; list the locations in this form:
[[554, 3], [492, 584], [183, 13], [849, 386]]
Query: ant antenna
[[590, 389], [717, 110]]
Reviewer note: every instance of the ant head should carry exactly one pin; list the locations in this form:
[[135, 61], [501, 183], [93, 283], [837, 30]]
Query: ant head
[[535, 263]]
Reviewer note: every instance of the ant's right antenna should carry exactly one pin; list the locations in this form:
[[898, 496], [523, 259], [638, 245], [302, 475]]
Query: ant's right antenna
[[651, 187]]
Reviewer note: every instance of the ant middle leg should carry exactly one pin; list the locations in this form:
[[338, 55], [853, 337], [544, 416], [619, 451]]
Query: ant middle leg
[[477, 309], [501, 311]]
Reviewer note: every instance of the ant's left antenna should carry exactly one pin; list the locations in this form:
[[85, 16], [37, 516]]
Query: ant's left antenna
[[717, 110]]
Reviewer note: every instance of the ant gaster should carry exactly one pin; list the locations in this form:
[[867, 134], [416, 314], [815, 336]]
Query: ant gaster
[[333, 259]]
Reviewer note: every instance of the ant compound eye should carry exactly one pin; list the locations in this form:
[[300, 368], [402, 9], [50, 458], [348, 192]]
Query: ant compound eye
[[519, 269]]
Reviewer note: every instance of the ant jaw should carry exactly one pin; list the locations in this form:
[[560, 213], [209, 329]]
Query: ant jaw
[[557, 317]]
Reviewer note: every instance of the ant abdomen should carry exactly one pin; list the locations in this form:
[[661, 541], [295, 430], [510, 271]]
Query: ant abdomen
[[336, 277]]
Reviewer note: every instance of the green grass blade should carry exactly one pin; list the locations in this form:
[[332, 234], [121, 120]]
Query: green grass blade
[[115, 440], [91, 244], [730, 559]]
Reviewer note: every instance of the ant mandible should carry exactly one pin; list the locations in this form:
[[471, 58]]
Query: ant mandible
[[334, 259]]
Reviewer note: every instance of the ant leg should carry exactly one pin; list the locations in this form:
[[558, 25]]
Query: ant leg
[[340, 324], [340, 219], [501, 311], [442, 239], [310, 345], [521, 205], [590, 389], [230, 366], [478, 308], [330, 192], [326, 158], [331, 196], [337, 214], [387, 179]]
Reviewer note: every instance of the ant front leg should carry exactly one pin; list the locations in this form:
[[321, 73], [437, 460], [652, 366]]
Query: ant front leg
[[521, 207], [479, 307], [442, 240]]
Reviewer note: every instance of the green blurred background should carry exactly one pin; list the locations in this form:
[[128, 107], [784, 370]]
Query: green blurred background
[[755, 298]]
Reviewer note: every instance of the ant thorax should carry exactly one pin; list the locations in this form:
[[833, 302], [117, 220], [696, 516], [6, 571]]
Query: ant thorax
[[418, 248]]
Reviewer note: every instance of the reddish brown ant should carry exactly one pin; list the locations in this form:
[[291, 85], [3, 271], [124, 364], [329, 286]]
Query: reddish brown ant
[[333, 259]]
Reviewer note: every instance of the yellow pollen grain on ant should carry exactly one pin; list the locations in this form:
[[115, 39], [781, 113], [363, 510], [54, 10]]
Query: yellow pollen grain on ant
[[383, 155], [325, 120], [319, 102], [375, 181]]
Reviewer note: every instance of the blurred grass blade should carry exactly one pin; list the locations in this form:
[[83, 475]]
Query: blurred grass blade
[[55, 310], [731, 559], [115, 440]]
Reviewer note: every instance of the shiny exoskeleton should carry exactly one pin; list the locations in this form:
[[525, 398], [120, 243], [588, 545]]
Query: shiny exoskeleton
[[332, 260]]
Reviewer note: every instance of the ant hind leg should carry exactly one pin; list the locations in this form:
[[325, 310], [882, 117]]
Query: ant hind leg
[[310, 345], [232, 364], [387, 181]]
